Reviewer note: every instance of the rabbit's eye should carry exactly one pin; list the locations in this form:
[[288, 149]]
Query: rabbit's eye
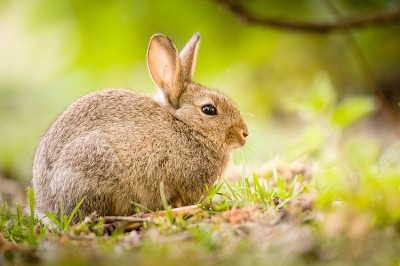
[[209, 109]]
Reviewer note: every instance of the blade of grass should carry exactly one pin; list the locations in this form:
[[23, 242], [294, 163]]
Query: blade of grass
[[259, 189], [141, 206], [233, 191], [247, 191], [31, 201], [295, 186], [18, 214], [167, 208], [211, 193], [53, 217], [71, 216]]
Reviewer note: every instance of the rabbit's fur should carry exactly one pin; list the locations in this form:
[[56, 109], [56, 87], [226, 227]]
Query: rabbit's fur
[[115, 147]]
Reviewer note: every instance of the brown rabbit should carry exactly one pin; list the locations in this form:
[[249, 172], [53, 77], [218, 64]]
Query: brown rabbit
[[115, 147]]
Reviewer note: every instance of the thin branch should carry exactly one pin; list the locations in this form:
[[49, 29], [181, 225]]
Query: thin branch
[[186, 210], [385, 16], [134, 222], [111, 219]]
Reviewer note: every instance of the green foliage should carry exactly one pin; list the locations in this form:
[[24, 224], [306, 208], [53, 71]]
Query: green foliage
[[264, 192], [18, 227], [321, 105], [361, 183], [166, 206], [353, 170], [63, 221], [327, 119], [351, 110]]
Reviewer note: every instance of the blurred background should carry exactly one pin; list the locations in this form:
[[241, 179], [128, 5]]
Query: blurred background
[[302, 93]]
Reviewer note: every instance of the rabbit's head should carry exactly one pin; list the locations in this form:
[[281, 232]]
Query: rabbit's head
[[210, 112]]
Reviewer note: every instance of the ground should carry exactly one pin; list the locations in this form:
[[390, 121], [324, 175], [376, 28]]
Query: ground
[[280, 215]]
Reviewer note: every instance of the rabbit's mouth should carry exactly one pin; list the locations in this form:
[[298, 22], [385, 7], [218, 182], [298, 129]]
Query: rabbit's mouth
[[236, 137]]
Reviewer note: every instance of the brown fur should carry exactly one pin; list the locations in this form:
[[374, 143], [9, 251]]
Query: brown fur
[[115, 147]]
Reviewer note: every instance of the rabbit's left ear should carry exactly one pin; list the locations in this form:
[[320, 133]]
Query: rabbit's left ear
[[164, 65], [188, 57]]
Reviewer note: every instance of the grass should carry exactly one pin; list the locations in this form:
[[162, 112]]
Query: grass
[[272, 219]]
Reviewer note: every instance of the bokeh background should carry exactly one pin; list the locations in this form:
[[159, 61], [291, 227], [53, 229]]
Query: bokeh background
[[301, 93]]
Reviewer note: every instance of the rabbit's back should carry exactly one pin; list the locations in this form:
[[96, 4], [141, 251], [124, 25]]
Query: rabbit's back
[[104, 111]]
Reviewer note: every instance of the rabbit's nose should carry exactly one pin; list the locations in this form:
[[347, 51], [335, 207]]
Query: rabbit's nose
[[245, 130]]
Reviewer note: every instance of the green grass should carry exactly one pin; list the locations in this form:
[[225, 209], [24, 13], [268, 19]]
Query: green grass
[[271, 219]]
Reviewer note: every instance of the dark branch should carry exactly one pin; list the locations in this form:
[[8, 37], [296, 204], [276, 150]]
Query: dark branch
[[376, 18]]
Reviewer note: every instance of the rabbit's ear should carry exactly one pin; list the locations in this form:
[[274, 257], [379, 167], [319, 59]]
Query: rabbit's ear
[[188, 56], [164, 66]]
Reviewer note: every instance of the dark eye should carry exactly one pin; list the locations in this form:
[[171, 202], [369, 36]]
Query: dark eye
[[209, 109]]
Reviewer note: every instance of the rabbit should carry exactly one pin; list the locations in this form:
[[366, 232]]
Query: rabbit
[[115, 147]]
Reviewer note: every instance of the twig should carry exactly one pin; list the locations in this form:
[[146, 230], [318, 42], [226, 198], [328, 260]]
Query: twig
[[134, 222], [111, 219], [377, 18], [146, 217], [132, 226], [186, 210]]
